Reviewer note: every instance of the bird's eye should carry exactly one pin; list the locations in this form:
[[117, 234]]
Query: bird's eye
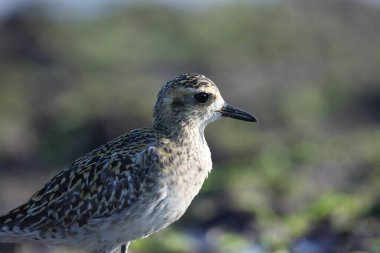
[[202, 97]]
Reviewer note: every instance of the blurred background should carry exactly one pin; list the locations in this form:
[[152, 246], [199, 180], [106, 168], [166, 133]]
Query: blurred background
[[305, 179]]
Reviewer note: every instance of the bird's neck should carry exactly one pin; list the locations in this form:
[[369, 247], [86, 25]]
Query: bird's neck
[[184, 132]]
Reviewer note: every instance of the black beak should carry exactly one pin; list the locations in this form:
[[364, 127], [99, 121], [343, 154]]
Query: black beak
[[233, 112]]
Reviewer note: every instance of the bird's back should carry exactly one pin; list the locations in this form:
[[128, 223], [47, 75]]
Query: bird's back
[[96, 186]]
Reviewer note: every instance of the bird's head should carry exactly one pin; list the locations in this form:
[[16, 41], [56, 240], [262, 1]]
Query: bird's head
[[192, 100]]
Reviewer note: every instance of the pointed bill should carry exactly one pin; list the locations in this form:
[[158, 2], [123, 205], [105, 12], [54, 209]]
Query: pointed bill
[[236, 113]]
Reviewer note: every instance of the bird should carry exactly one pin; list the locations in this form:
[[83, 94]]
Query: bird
[[133, 185]]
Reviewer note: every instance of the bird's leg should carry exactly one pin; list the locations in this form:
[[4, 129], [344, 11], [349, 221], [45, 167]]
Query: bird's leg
[[124, 247]]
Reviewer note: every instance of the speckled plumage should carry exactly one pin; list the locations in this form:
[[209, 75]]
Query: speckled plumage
[[132, 186]]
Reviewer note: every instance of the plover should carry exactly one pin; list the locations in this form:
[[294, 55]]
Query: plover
[[132, 186]]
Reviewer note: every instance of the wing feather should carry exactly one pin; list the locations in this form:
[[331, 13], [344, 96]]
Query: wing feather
[[97, 185]]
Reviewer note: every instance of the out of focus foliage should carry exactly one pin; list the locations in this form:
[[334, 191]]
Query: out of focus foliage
[[305, 179]]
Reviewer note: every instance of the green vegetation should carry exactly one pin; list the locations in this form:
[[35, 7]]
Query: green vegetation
[[307, 176]]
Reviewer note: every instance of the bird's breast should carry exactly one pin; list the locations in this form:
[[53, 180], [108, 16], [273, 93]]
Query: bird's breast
[[187, 175], [182, 172]]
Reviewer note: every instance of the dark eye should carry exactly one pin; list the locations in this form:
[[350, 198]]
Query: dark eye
[[201, 97]]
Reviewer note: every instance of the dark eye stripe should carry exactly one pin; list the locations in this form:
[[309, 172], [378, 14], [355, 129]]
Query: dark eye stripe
[[177, 103]]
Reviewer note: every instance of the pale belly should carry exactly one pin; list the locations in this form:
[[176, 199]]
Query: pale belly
[[154, 211], [130, 226]]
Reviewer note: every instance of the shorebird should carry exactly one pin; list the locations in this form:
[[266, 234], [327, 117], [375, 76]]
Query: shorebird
[[132, 186]]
